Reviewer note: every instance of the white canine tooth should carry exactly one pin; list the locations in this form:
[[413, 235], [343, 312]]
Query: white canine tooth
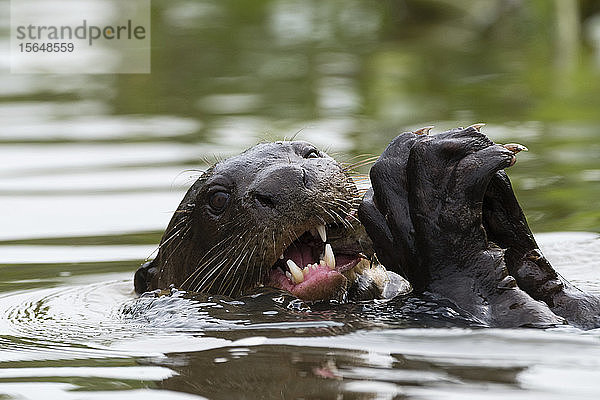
[[295, 271], [329, 257], [322, 232]]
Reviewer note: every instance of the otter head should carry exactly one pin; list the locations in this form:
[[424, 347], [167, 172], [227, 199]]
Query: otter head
[[280, 214]]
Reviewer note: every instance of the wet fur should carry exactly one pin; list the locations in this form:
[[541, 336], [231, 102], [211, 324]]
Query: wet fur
[[276, 195], [441, 213]]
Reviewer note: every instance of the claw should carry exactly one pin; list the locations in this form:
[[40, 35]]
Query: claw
[[477, 127], [424, 130], [507, 283], [515, 147]]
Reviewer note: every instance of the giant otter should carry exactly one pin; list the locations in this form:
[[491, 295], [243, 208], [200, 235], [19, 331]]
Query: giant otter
[[280, 214], [441, 213]]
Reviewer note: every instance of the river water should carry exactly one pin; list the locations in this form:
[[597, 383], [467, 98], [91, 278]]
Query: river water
[[94, 165]]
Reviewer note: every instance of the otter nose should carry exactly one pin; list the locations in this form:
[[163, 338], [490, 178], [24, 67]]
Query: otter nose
[[264, 200], [280, 187]]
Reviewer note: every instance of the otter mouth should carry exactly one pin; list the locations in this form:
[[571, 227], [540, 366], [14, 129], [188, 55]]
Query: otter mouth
[[317, 267]]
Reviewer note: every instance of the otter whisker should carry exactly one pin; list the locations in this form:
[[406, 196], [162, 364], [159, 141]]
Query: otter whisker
[[322, 220], [217, 272], [292, 236], [167, 240], [215, 269], [177, 229], [242, 281], [361, 163], [352, 168], [207, 250], [352, 216], [191, 281], [237, 265], [342, 220], [186, 230], [202, 285], [333, 213], [217, 245], [344, 203], [366, 155], [326, 212], [296, 134], [182, 211], [189, 178], [205, 263]]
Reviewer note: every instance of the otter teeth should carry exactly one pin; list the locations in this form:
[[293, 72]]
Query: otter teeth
[[322, 232], [329, 258], [295, 271]]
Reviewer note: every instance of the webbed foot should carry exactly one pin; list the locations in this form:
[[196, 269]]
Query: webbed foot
[[506, 226], [425, 216]]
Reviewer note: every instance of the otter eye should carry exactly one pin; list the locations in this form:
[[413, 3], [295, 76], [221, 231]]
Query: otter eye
[[312, 153], [218, 201]]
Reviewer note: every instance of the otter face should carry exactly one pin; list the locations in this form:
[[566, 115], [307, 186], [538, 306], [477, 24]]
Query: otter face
[[280, 214]]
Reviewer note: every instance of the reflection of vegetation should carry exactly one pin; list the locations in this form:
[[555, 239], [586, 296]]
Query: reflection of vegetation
[[123, 239], [490, 58], [29, 276], [387, 66], [408, 62]]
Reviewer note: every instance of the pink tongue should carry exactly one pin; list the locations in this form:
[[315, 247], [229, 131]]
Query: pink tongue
[[321, 283]]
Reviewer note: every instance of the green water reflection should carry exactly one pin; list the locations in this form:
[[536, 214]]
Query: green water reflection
[[362, 71], [378, 68], [349, 74], [391, 66]]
